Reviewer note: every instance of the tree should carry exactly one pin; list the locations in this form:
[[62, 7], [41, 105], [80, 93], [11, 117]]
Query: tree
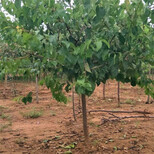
[[84, 43]]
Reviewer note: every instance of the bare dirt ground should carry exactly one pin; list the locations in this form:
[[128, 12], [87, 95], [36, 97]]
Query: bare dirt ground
[[55, 132]]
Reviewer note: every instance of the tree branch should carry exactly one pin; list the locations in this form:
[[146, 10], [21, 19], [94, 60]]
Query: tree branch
[[140, 112]]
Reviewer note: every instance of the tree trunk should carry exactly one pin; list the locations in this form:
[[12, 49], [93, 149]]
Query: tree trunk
[[14, 87], [84, 114], [73, 104], [148, 99], [5, 86], [37, 98], [103, 91], [118, 94], [79, 102]]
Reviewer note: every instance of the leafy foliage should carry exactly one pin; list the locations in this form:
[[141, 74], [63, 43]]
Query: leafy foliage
[[28, 98], [81, 44]]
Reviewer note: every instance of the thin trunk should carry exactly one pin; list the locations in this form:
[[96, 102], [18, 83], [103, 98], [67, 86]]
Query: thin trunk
[[37, 98], [148, 99], [14, 88], [118, 94], [84, 114], [103, 91], [74, 115], [79, 102], [5, 86]]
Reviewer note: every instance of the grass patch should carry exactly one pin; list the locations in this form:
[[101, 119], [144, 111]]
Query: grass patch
[[4, 126], [5, 116], [32, 114], [129, 101], [52, 113], [2, 108], [18, 99]]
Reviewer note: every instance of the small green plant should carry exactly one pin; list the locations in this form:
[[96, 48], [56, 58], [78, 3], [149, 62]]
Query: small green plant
[[28, 98], [68, 152], [47, 140], [95, 142], [137, 123], [4, 126], [18, 99], [32, 114], [70, 146], [91, 124], [52, 113], [2, 108], [42, 82], [129, 101], [134, 136], [90, 135], [57, 137], [109, 140], [4, 116], [115, 148]]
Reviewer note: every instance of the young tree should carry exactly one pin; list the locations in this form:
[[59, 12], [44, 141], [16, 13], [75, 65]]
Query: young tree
[[84, 43]]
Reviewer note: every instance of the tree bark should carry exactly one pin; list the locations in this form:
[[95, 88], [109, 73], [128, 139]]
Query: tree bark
[[5, 86], [148, 99], [103, 91], [118, 94], [84, 114], [37, 89], [74, 115], [14, 87]]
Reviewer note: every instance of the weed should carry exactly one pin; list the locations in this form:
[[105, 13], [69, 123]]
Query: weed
[[134, 137], [47, 140], [129, 101], [90, 135], [32, 114], [70, 146], [56, 138], [4, 126], [95, 142], [4, 116], [141, 146], [18, 99], [115, 148], [2, 108], [68, 152], [52, 113], [109, 140], [137, 124], [91, 124]]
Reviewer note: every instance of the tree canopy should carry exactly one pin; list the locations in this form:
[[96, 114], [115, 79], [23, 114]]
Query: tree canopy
[[81, 43]]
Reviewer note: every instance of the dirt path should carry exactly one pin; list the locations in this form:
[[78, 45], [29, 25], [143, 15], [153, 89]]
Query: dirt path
[[55, 131]]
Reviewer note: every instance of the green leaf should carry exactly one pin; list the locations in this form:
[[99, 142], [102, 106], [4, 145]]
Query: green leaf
[[28, 98], [100, 11], [106, 42], [18, 4], [68, 152], [98, 45], [83, 86], [87, 68], [24, 100]]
